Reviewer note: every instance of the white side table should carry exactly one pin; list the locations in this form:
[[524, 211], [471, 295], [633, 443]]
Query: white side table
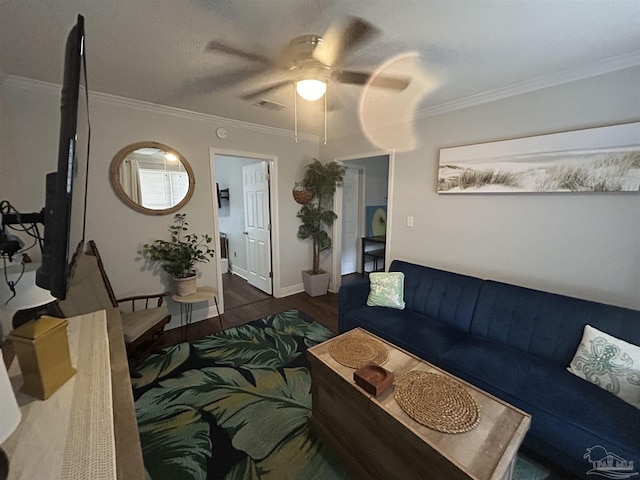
[[203, 294]]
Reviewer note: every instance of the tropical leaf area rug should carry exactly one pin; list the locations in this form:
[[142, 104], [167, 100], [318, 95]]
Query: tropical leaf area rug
[[234, 405]]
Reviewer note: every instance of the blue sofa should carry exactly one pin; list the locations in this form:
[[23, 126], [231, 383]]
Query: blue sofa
[[515, 343]]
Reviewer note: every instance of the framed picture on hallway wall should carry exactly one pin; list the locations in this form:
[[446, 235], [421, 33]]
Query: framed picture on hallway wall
[[603, 159], [376, 220]]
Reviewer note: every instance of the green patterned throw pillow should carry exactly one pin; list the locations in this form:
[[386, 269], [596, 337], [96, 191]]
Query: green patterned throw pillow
[[609, 363], [387, 290]]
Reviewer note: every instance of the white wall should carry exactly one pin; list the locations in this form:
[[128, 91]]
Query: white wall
[[29, 149], [30, 120], [585, 245]]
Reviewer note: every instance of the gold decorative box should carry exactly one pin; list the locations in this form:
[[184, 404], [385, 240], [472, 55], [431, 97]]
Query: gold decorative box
[[42, 349]]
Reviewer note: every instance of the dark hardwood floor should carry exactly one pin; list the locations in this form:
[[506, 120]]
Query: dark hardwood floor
[[238, 292], [244, 303]]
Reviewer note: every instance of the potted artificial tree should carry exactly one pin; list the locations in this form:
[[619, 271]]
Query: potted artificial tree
[[321, 180], [178, 256]]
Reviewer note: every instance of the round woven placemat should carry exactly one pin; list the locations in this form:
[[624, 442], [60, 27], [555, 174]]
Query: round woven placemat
[[437, 402], [356, 351]]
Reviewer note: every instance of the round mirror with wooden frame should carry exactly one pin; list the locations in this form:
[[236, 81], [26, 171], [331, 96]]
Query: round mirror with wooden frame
[[152, 178]]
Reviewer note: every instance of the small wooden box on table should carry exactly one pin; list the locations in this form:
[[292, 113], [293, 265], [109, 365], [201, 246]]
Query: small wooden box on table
[[376, 439]]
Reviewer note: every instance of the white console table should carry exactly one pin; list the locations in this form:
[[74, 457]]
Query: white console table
[[87, 429]]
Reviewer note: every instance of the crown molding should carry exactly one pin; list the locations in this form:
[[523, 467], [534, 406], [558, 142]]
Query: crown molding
[[29, 84], [609, 65], [37, 85], [612, 64]]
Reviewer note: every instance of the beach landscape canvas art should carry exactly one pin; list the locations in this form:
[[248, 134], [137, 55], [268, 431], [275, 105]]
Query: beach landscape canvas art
[[604, 159]]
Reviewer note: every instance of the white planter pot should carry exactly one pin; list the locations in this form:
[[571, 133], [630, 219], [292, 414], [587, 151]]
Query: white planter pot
[[315, 285], [186, 286]]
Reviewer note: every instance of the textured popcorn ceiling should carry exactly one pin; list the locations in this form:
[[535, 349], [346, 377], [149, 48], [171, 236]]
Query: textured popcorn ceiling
[[154, 50]]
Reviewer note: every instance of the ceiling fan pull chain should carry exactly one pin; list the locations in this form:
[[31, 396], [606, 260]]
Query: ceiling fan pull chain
[[295, 113], [325, 116]]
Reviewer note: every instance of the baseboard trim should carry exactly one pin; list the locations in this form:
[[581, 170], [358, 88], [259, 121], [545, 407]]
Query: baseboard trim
[[288, 291], [240, 272]]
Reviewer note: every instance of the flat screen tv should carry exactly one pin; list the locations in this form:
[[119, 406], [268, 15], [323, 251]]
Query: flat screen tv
[[66, 188]]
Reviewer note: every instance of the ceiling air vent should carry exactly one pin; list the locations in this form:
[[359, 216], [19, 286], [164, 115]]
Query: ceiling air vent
[[269, 105]]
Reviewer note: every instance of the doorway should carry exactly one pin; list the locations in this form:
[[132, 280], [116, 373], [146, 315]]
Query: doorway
[[352, 201], [243, 200], [364, 204]]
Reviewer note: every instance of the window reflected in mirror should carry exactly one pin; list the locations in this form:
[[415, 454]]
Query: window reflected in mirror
[[152, 178]]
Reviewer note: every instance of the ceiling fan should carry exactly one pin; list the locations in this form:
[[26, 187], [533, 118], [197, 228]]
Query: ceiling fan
[[311, 62]]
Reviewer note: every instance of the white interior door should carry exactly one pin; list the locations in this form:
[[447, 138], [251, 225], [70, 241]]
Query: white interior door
[[255, 182], [350, 209]]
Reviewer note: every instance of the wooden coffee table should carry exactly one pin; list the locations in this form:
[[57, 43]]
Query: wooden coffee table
[[375, 438]]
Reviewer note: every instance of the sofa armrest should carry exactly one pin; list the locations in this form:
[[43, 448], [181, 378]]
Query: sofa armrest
[[350, 296]]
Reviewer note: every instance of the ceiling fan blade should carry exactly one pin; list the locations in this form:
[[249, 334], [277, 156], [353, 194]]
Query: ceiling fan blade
[[348, 76], [394, 82], [341, 38], [216, 46], [214, 83], [262, 91]]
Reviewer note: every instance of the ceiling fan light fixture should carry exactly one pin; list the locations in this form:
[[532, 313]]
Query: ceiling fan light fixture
[[311, 89]]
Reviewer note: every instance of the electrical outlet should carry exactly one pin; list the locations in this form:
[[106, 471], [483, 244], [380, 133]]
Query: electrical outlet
[[409, 221], [235, 254]]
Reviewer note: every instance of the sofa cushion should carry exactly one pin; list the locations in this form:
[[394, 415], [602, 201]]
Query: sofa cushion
[[351, 295], [609, 363], [545, 324], [447, 296], [387, 290], [567, 413], [418, 334]]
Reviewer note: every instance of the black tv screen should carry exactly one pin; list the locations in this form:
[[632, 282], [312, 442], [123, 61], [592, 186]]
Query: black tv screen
[[66, 188]]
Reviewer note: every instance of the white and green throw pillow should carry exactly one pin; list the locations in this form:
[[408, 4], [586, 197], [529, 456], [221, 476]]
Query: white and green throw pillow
[[609, 363], [387, 290]]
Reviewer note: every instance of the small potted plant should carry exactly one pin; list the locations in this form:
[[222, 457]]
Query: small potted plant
[[321, 180], [178, 256]]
